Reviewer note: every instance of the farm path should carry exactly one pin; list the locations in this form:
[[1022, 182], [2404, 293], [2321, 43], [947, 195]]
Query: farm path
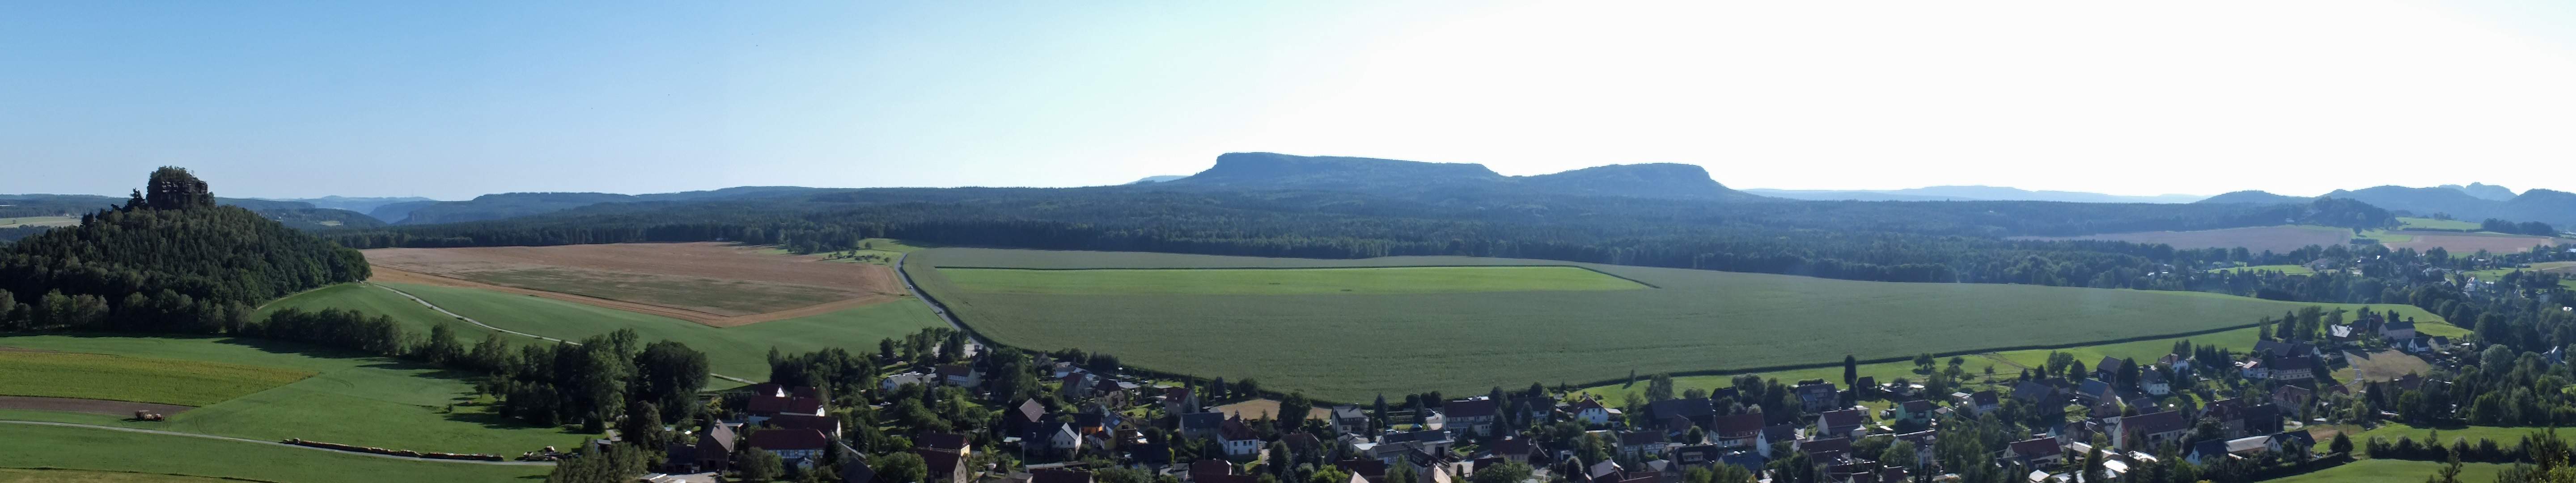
[[470, 320], [974, 341], [272, 443]]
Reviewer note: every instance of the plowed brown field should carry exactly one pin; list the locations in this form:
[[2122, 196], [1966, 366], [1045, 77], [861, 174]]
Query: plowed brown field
[[709, 283]]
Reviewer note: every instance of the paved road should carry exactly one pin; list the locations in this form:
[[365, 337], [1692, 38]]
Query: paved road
[[479, 323], [272, 443], [974, 342]]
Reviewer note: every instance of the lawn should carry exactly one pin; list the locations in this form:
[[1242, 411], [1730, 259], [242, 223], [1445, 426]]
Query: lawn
[[2284, 269], [1352, 347], [734, 351], [2433, 224], [85, 476], [106, 450], [716, 296], [1269, 281], [366, 401], [138, 379], [2392, 471]]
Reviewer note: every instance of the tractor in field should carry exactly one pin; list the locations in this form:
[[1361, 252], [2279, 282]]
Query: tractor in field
[[147, 416]]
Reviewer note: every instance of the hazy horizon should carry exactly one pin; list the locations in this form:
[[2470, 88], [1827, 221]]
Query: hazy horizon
[[453, 100]]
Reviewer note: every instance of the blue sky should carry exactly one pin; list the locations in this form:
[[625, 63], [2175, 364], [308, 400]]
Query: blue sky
[[454, 99]]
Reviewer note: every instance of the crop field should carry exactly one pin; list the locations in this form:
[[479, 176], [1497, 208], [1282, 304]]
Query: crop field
[[139, 379], [2392, 471], [1351, 347], [85, 476], [739, 351], [2278, 239], [365, 401], [39, 221], [2469, 243], [78, 449], [2386, 365], [1267, 281], [709, 283]]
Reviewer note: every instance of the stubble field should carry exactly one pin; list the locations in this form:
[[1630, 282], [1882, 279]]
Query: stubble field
[[709, 283]]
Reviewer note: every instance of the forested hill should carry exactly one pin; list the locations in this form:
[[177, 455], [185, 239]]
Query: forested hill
[[295, 214], [171, 260], [2473, 202], [510, 205]]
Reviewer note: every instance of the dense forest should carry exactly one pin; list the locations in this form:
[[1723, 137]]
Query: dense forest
[[168, 260]]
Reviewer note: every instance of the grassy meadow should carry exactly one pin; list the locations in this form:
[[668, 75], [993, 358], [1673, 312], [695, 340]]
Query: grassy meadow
[[2410, 223], [734, 351], [727, 297], [138, 379], [2392, 471], [366, 401], [9, 475], [1352, 347], [1376, 280], [79, 449], [14, 222]]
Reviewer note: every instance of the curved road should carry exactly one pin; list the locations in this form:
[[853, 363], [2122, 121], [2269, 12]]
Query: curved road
[[470, 320], [272, 443], [974, 342]]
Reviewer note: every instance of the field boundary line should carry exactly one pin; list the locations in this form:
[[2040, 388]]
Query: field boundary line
[[272, 443], [1072, 269], [478, 323]]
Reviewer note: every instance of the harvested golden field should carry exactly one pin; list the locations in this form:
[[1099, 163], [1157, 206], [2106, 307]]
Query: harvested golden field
[[2279, 239], [2465, 243], [709, 283]]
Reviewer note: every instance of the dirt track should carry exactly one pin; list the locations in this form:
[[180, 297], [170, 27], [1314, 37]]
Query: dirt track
[[92, 406], [392, 275]]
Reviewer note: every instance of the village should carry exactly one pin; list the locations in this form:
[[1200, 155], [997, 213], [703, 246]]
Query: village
[[2231, 417]]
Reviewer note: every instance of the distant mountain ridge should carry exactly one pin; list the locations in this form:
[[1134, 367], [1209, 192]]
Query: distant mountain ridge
[[2484, 191], [1274, 171], [295, 214], [357, 204], [1969, 193], [508, 205], [2473, 202]]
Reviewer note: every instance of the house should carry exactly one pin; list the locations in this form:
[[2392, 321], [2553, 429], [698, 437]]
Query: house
[[1201, 425], [1023, 419], [2036, 453], [1591, 412], [2146, 432], [2034, 392], [1237, 438], [715, 447], [2212, 451], [2285, 349], [1348, 418], [1514, 449], [2343, 334], [1641, 444], [2293, 399], [1915, 411], [1740, 431], [2094, 390], [1474, 416], [1060, 437], [2293, 369], [1922, 445], [1077, 384], [799, 447], [1206, 468], [854, 466], [898, 381], [949, 442], [1975, 404], [2153, 382], [1697, 411], [1817, 396], [2247, 419], [1843, 423], [960, 375], [829, 426], [1826, 450], [2110, 368], [2397, 331], [1374, 470], [2288, 441], [1777, 432], [1059, 475], [1181, 400], [770, 399], [945, 467]]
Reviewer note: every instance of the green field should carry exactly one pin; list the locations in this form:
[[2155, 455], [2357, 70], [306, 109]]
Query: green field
[[1351, 347], [2433, 224], [1265, 281], [2284, 269], [106, 450], [2504, 436], [2392, 471], [39, 221], [723, 297], [735, 351], [2565, 270], [85, 476], [356, 400], [165, 381]]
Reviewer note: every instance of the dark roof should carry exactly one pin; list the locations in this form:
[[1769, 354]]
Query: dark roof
[[2293, 364], [960, 370], [1211, 467], [1030, 411], [1826, 445], [1197, 421], [941, 441], [1348, 411], [2031, 448], [2093, 388], [760, 403], [2209, 448], [1984, 398], [1359, 466], [1637, 438], [804, 405], [1302, 441], [1234, 429], [1472, 408], [1781, 432], [825, 424], [854, 467], [788, 439], [2295, 393], [767, 389], [2034, 391], [1917, 406], [1688, 408], [678, 452], [2155, 422], [2110, 364], [1512, 446], [1151, 453], [941, 463], [1052, 475], [1739, 425], [1842, 418]]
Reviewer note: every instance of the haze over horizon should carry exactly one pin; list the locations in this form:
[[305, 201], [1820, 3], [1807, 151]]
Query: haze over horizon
[[454, 100]]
